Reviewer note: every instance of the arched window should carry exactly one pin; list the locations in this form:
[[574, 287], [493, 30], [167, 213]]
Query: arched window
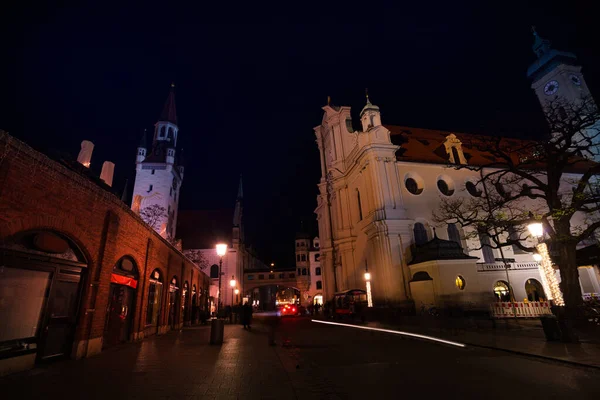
[[502, 291], [214, 271], [453, 234], [318, 271], [162, 132], [420, 233], [154, 297], [488, 252], [534, 290], [170, 135]]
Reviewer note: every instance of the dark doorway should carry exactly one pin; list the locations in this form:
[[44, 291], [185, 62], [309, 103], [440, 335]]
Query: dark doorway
[[57, 335], [119, 315]]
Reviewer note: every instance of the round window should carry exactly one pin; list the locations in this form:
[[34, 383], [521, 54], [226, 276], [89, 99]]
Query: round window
[[472, 189], [460, 282], [444, 188], [412, 186]]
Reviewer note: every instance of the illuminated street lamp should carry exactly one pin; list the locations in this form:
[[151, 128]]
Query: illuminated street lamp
[[232, 283], [368, 280], [549, 281], [221, 251]]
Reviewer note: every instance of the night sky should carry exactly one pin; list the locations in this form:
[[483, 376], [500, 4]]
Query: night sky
[[250, 83]]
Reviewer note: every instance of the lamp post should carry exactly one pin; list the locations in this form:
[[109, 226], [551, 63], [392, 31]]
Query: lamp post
[[547, 273], [232, 283], [221, 251], [368, 280], [237, 292]]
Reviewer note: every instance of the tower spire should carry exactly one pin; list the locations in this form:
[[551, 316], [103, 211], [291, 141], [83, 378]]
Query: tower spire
[[169, 113], [240, 194]]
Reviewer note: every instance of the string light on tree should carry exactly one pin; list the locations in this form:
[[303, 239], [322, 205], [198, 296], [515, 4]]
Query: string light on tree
[[547, 273]]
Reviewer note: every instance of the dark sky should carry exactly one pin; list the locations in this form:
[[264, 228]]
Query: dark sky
[[250, 83]]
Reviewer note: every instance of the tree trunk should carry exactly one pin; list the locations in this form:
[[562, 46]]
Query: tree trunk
[[569, 276]]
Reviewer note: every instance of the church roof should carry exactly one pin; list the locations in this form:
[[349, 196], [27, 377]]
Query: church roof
[[203, 229], [427, 146], [169, 112], [438, 249]]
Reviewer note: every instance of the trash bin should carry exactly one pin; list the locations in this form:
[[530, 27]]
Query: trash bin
[[216, 331], [551, 328]]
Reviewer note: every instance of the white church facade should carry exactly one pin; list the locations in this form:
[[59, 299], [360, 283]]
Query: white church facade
[[378, 190]]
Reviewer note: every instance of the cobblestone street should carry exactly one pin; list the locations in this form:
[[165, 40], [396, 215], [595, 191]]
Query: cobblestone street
[[310, 361]]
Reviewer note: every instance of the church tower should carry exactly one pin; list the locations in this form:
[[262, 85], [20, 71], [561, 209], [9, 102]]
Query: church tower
[[158, 174], [238, 227], [556, 75]]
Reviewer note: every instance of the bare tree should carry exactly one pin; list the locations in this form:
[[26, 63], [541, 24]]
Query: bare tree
[[197, 258], [153, 215], [551, 180]]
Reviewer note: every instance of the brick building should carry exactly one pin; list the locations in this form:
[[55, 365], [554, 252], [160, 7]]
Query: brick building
[[79, 270]]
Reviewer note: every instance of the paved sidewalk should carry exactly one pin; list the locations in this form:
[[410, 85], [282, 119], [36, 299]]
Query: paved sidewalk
[[528, 339], [178, 365]]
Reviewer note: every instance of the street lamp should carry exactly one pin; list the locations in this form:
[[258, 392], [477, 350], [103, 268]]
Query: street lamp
[[221, 251], [232, 283], [237, 292], [368, 280], [549, 281]]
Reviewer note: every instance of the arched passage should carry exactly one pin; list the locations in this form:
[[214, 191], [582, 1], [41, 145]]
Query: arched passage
[[268, 297], [40, 290], [155, 290], [173, 305]]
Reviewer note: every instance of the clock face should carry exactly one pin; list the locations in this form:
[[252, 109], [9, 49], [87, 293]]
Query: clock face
[[575, 80], [551, 87]]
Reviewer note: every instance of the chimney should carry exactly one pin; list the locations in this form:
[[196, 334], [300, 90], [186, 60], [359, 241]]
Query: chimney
[[85, 154], [108, 169]]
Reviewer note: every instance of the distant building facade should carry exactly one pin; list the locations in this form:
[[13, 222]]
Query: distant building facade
[[379, 186], [201, 231], [308, 269]]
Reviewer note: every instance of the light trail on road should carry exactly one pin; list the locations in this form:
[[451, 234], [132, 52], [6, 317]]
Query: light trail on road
[[415, 335]]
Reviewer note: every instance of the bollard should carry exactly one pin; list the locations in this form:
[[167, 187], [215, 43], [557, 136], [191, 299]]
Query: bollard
[[216, 331]]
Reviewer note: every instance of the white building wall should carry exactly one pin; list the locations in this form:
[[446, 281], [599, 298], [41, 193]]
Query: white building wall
[[379, 232]]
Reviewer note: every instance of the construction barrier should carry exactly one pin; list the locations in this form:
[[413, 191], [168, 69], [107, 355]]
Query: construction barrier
[[520, 309]]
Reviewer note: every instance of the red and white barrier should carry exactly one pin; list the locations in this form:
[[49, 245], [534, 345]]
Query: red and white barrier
[[520, 309]]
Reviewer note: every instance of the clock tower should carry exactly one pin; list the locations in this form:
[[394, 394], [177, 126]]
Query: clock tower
[[556, 75]]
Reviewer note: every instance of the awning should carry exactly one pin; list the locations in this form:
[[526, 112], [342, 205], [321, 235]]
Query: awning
[[123, 280]]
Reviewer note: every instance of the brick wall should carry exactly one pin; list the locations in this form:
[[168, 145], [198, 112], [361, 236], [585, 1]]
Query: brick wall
[[39, 193]]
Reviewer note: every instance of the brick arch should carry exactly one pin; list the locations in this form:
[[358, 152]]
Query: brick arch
[[64, 226]]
